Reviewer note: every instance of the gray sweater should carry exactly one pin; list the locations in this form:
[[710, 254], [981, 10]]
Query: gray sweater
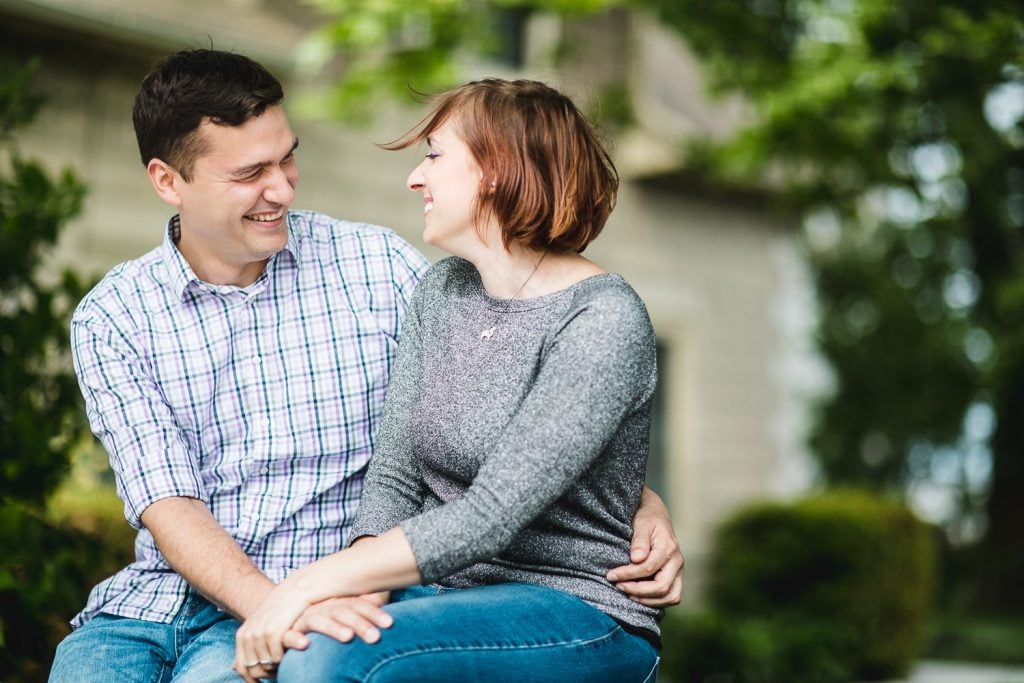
[[519, 457]]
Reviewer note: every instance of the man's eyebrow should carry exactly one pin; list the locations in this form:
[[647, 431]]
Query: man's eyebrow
[[252, 168]]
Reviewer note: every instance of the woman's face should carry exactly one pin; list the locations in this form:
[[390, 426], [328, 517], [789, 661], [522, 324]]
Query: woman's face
[[450, 181]]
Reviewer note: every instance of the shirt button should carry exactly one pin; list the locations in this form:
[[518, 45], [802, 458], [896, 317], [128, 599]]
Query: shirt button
[[265, 422], [264, 470], [256, 360]]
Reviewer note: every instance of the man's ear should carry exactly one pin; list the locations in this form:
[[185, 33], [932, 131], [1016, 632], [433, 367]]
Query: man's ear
[[165, 180]]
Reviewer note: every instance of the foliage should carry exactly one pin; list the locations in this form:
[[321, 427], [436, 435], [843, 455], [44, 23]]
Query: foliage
[[897, 129], [830, 589], [842, 580], [970, 638], [44, 569], [384, 48], [708, 647]]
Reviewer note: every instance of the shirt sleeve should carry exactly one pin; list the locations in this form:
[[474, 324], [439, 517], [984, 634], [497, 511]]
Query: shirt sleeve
[[127, 413], [598, 369]]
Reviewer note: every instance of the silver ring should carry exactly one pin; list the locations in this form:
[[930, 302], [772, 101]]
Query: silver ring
[[267, 662], [249, 665]]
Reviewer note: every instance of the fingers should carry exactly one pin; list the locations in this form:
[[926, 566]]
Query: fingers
[[255, 670], [257, 654], [295, 640], [640, 547], [664, 589], [655, 560], [378, 599], [345, 618]]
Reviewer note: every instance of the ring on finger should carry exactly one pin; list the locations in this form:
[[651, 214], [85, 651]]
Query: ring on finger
[[268, 662], [249, 665]]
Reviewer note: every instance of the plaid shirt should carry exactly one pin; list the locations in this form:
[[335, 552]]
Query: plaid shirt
[[261, 401]]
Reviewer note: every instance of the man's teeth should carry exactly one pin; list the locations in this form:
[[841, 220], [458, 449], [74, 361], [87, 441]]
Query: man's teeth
[[427, 207], [265, 217]]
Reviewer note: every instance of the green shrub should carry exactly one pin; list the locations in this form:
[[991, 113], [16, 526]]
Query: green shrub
[[978, 638], [844, 576], [707, 647]]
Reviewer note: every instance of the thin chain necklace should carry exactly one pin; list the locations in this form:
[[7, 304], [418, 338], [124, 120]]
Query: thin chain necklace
[[488, 332]]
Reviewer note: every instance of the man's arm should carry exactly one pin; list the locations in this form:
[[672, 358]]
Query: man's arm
[[654, 576], [202, 552]]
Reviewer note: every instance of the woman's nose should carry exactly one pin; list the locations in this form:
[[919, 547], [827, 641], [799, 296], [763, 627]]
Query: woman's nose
[[415, 180]]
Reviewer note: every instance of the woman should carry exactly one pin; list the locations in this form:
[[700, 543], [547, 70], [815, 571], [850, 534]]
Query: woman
[[512, 452]]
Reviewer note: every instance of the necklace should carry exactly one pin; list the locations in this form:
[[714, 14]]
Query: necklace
[[488, 332]]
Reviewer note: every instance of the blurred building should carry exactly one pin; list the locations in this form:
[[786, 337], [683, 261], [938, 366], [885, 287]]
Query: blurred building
[[723, 279]]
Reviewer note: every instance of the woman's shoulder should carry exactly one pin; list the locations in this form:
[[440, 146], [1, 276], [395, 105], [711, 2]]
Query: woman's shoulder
[[610, 294], [449, 272], [607, 307]]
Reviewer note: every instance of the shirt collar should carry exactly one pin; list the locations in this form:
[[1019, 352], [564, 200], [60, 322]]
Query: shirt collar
[[180, 273]]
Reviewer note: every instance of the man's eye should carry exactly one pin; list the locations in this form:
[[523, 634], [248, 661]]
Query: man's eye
[[432, 155]]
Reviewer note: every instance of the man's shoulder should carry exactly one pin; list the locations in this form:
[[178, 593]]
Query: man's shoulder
[[122, 287]]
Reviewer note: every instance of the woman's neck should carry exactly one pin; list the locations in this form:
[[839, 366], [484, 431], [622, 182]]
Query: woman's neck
[[521, 273]]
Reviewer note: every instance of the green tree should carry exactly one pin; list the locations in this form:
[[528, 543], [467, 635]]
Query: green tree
[[897, 127], [894, 127], [43, 568]]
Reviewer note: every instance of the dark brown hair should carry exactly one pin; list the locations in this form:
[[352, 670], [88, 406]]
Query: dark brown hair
[[193, 86], [554, 182]]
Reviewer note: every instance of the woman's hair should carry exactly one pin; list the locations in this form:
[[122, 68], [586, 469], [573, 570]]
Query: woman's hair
[[552, 182], [193, 86]]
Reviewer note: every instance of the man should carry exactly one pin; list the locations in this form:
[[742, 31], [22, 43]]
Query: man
[[235, 375]]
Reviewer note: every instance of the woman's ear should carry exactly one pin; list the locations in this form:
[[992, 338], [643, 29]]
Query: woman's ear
[[165, 181]]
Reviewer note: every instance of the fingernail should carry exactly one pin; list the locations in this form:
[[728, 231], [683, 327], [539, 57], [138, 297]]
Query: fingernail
[[372, 635]]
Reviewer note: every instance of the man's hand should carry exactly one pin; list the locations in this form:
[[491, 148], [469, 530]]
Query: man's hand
[[654, 576]]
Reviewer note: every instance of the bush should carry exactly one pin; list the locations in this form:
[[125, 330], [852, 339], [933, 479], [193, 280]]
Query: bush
[[834, 588], [845, 574], [46, 566], [708, 647]]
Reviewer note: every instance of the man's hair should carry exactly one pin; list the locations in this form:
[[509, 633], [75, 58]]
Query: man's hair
[[554, 183], [193, 86]]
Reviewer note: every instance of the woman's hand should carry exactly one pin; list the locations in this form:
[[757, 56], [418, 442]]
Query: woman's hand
[[345, 618], [339, 618]]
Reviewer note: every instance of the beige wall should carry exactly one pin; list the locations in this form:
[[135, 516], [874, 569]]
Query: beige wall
[[726, 288]]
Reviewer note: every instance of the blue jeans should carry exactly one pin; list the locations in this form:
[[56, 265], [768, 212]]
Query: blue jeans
[[506, 632], [199, 645]]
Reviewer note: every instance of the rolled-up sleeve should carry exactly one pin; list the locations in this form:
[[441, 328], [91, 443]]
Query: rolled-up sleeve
[[127, 412]]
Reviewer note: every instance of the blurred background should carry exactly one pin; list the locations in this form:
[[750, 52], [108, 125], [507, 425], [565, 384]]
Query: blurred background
[[822, 206]]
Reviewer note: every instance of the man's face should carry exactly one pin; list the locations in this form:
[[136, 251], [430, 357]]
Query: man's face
[[234, 210]]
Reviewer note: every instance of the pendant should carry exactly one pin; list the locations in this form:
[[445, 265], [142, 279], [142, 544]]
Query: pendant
[[488, 333]]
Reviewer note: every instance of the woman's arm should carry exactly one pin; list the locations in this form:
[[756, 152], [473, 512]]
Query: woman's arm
[[599, 368]]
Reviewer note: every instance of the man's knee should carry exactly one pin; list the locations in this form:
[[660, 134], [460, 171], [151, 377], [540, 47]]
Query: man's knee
[[111, 649]]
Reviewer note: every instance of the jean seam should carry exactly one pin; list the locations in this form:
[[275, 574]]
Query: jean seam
[[653, 671], [478, 648]]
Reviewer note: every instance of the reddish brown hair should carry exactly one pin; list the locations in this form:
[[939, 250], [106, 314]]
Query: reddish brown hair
[[554, 182]]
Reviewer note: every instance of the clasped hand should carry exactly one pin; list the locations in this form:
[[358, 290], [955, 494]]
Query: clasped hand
[[283, 619]]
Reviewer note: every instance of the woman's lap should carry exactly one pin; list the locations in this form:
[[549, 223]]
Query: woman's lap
[[506, 632]]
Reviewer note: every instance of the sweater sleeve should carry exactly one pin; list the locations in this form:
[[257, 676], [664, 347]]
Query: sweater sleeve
[[597, 368], [392, 490]]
